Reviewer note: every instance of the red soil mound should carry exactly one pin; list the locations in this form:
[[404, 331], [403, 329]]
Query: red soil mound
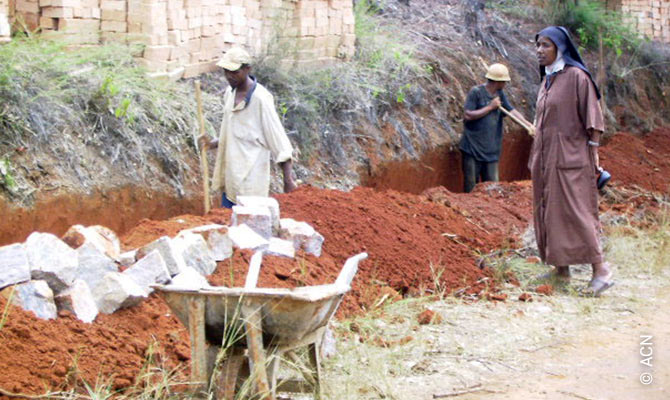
[[641, 161], [36, 354], [403, 234]]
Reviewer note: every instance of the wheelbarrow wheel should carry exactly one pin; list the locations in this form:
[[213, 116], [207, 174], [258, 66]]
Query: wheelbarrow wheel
[[233, 374]]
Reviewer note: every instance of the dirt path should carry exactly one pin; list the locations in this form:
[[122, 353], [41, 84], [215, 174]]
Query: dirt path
[[599, 363], [562, 346]]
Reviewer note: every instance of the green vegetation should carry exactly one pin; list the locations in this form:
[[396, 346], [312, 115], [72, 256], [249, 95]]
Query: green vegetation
[[520, 9], [641, 248], [381, 75], [591, 21], [63, 101]]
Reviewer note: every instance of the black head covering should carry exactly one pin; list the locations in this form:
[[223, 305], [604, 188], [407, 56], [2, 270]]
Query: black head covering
[[561, 38]]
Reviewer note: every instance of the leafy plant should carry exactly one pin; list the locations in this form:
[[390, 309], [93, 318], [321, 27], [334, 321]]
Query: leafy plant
[[592, 22], [6, 177]]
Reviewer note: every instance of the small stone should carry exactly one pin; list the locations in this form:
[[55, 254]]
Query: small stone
[[429, 317], [15, 265], [496, 296], [526, 297], [78, 300], [545, 289]]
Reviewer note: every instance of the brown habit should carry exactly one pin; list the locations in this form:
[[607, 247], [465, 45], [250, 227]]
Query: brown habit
[[565, 197]]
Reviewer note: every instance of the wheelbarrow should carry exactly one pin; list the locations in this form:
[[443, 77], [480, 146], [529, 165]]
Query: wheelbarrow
[[260, 325]]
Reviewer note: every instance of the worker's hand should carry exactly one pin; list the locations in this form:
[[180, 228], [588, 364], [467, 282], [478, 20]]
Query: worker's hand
[[204, 142], [531, 130], [495, 103]]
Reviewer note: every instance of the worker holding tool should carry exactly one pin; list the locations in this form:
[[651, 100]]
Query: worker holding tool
[[485, 107], [251, 133]]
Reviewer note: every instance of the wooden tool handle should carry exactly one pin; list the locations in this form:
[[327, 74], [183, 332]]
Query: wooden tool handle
[[204, 165], [529, 128]]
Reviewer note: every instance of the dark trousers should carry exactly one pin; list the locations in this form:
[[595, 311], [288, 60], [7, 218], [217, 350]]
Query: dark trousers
[[477, 171], [225, 202]]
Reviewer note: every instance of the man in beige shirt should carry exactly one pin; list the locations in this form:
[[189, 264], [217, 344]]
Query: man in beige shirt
[[251, 133]]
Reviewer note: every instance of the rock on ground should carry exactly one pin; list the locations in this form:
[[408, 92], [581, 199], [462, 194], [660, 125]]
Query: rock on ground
[[257, 218], [189, 279], [302, 235], [280, 247], [117, 291], [195, 252], [51, 260], [216, 236], [172, 257], [15, 266], [93, 264], [268, 202], [244, 237], [104, 239], [78, 300], [35, 296], [149, 270]]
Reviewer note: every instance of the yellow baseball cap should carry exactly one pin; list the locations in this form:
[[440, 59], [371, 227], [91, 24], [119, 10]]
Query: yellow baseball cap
[[233, 59]]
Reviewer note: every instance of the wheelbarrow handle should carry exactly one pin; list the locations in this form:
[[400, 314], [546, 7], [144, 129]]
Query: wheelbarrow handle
[[349, 270]]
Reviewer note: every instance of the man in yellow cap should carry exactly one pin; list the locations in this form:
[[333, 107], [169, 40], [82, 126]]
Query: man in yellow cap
[[251, 133], [482, 137]]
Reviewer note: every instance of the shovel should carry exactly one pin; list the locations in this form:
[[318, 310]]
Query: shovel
[[204, 166]]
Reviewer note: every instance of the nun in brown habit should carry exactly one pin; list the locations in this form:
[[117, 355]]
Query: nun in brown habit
[[564, 161]]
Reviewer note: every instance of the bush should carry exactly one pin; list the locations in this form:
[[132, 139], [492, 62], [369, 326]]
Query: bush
[[590, 20], [69, 103], [381, 75]]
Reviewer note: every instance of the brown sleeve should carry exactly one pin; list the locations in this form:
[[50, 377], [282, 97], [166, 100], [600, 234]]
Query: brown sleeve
[[588, 105]]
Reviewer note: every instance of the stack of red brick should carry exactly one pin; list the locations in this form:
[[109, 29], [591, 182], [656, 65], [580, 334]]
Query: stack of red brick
[[4, 21], [650, 17], [187, 37]]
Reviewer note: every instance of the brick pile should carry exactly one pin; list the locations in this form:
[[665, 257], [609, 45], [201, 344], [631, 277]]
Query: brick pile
[[650, 17], [4, 21], [322, 31], [184, 38]]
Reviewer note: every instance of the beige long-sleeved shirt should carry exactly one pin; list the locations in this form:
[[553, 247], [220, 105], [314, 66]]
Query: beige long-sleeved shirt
[[250, 133]]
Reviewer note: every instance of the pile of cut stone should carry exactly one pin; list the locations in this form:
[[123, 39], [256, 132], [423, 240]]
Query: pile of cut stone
[[80, 273]]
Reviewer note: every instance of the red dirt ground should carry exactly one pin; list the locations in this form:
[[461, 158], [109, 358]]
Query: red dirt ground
[[639, 160], [404, 234]]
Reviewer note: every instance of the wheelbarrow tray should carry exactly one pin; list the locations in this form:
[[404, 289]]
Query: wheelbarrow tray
[[288, 315]]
